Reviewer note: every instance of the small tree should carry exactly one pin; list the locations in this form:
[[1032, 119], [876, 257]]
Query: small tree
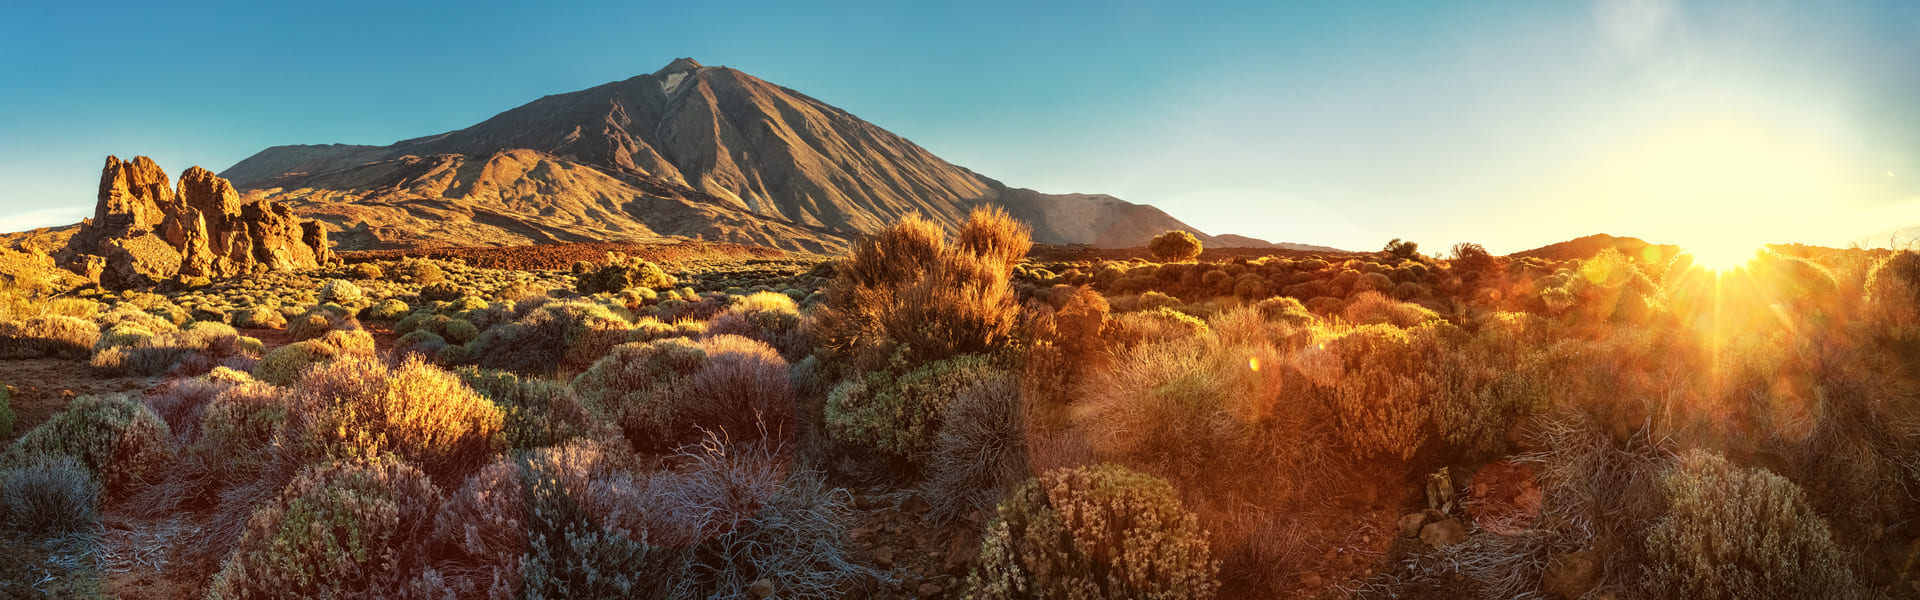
[[1175, 246], [1402, 249]]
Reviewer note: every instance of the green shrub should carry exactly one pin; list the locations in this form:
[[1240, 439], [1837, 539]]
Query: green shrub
[[50, 336], [49, 495], [360, 408], [1095, 532], [121, 440], [186, 352], [416, 270], [768, 317], [420, 341], [284, 365], [662, 394], [900, 414], [1174, 246], [622, 272], [536, 412], [1734, 532], [441, 292], [388, 310], [347, 529], [259, 317], [570, 334]]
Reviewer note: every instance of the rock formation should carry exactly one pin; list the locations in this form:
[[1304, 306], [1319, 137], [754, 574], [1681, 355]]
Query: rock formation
[[144, 231]]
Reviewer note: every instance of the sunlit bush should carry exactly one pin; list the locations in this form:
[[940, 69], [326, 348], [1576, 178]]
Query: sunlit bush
[[121, 440], [348, 529], [1174, 246], [1734, 532], [284, 365], [360, 408], [664, 393], [569, 334], [51, 336], [1098, 532], [899, 414], [769, 317]]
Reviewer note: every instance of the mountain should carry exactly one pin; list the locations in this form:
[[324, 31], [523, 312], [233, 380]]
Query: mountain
[[687, 150], [1589, 246]]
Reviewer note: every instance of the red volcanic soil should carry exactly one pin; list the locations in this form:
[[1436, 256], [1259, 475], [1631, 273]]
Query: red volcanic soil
[[1049, 253], [562, 256]]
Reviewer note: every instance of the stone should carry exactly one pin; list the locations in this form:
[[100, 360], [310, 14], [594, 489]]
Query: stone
[[1441, 534], [761, 589], [1309, 580], [1571, 576], [144, 231], [1410, 524]]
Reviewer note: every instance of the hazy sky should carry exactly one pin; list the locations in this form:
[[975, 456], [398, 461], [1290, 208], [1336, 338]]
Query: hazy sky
[[1514, 124]]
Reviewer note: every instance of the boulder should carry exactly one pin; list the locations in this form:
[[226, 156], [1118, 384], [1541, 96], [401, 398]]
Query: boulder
[[1441, 534], [145, 231]]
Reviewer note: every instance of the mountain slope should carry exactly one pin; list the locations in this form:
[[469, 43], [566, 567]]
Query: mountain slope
[[689, 135]]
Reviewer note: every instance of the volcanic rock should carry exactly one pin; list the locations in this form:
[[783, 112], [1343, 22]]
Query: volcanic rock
[[144, 231]]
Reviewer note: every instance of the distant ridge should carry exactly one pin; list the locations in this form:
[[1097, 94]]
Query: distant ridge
[[685, 151], [1582, 248]]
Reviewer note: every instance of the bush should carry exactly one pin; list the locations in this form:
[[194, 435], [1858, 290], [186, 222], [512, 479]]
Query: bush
[[1096, 532], [663, 393], [317, 321], [1893, 287], [981, 451], [259, 317], [622, 272], [568, 334], [1174, 246], [1372, 308], [361, 408], [388, 310], [905, 288], [187, 352], [50, 336], [416, 270], [121, 440], [481, 534], [441, 292], [341, 291], [284, 365], [354, 528], [1736, 532], [536, 412], [769, 317], [49, 495], [7, 415], [366, 271], [1181, 407], [1375, 380], [900, 414]]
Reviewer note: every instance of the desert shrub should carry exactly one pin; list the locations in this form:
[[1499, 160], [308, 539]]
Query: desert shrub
[[441, 291], [795, 539], [181, 402], [132, 316], [663, 393], [1402, 249], [119, 439], [481, 533], [769, 317], [188, 352], [388, 310], [1372, 282], [1161, 324], [1179, 407], [317, 321], [622, 272], [1096, 532], [420, 341], [51, 336], [905, 288], [284, 365], [359, 408], [412, 321], [1326, 305], [899, 414], [342, 292], [1372, 308], [49, 494], [1375, 380], [536, 413], [416, 270], [1285, 310], [259, 317], [1174, 246], [366, 271], [355, 528], [980, 452], [570, 556], [1734, 532], [568, 334], [1893, 287]]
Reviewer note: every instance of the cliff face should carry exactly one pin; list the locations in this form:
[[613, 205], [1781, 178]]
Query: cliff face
[[145, 231], [685, 140]]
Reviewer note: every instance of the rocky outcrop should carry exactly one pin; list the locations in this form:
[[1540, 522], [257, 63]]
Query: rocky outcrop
[[145, 231]]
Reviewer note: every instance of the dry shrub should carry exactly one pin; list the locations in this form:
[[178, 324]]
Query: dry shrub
[[1893, 288], [1098, 532], [481, 534], [121, 440], [1372, 308], [1598, 490], [7, 415], [769, 317], [348, 529], [50, 494], [1152, 326], [319, 320], [1485, 381], [1180, 408], [905, 288], [981, 451], [1735, 532], [1174, 246], [361, 408], [180, 402], [49, 336], [188, 352], [537, 412], [663, 394], [1375, 380]]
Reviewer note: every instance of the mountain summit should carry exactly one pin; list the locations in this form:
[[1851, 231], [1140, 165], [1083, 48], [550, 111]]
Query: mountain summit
[[687, 150]]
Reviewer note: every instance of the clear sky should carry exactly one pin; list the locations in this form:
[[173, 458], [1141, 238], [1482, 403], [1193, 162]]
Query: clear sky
[[1514, 124]]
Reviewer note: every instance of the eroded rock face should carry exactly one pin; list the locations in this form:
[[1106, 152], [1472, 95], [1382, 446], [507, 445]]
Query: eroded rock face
[[145, 231]]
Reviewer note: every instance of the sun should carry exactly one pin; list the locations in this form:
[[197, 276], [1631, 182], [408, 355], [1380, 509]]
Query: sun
[[1721, 256]]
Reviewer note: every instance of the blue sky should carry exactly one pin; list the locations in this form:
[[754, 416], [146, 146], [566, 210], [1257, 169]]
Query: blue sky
[[1514, 124]]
